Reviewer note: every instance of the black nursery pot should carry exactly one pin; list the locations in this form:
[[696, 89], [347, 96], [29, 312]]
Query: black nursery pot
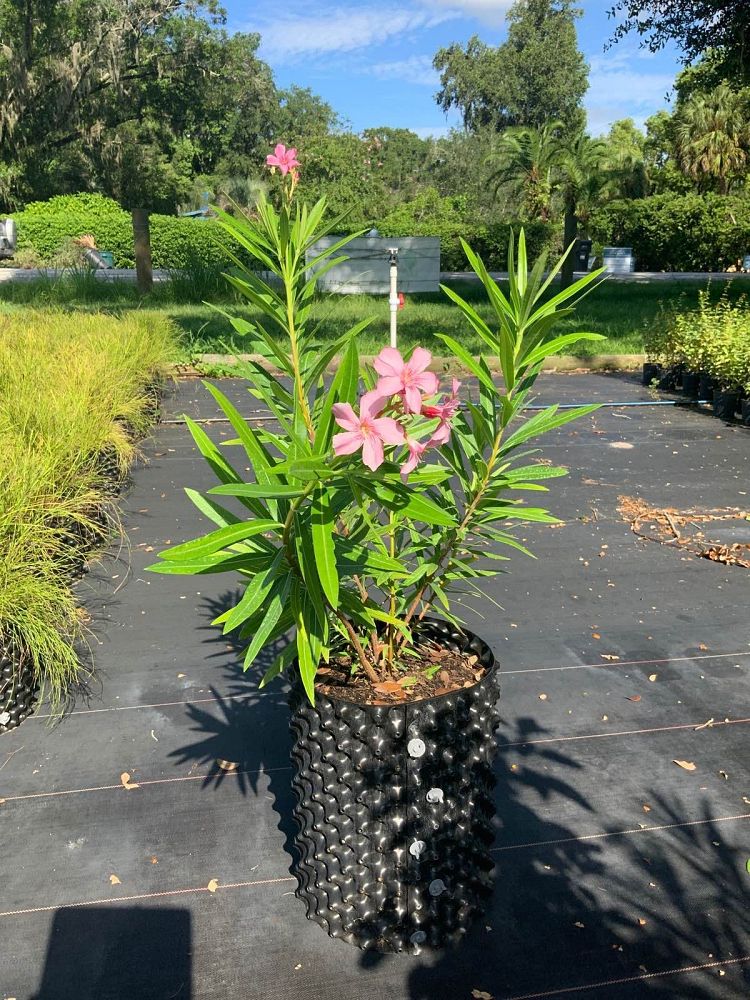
[[746, 412], [691, 384], [705, 388], [651, 372], [726, 404], [394, 810], [18, 686]]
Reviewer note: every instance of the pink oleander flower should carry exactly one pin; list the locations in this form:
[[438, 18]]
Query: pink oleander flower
[[445, 411], [283, 158], [416, 451], [408, 379], [367, 431]]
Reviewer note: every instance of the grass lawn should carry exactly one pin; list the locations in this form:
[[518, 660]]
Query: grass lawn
[[621, 311]]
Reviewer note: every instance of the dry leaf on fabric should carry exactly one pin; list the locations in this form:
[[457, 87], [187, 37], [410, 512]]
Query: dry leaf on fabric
[[686, 765], [652, 677], [481, 995], [227, 765], [610, 657], [114, 880], [634, 697], [213, 885], [542, 697], [126, 782]]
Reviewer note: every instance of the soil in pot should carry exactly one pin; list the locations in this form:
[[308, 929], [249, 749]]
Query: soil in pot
[[394, 801], [705, 388], [18, 686], [651, 372], [726, 404], [690, 384]]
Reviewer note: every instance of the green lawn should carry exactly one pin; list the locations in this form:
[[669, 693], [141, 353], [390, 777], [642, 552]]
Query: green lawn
[[621, 311]]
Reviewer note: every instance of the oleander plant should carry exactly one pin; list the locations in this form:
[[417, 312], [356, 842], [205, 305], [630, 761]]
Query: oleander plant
[[379, 498]]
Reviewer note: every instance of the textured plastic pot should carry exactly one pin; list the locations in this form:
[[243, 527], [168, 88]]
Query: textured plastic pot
[[18, 686], [669, 378], [651, 373], [726, 404], [746, 412], [705, 388], [394, 810], [690, 384]]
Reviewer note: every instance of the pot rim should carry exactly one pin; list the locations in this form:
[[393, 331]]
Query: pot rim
[[470, 637]]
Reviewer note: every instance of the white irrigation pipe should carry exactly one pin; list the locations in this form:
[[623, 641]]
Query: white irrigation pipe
[[394, 300]]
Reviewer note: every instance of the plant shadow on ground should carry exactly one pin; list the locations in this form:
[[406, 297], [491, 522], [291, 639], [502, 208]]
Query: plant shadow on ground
[[248, 727]]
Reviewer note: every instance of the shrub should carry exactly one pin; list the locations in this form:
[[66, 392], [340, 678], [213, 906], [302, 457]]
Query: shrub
[[449, 218], [671, 232], [47, 228], [714, 338], [73, 389]]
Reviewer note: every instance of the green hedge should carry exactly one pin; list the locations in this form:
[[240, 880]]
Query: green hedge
[[678, 232], [451, 220], [46, 225]]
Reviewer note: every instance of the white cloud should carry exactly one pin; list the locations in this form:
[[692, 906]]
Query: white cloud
[[416, 70], [336, 29], [618, 92], [490, 12]]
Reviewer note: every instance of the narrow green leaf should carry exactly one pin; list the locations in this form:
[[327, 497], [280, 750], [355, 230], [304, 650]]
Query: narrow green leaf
[[220, 539], [323, 523]]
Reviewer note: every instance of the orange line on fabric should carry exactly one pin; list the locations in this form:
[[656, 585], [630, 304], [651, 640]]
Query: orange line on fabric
[[618, 833], [631, 979], [146, 895]]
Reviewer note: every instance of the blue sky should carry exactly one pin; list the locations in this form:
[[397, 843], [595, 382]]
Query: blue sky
[[373, 60]]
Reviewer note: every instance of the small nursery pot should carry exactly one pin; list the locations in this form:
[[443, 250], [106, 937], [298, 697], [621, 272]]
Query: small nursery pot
[[746, 412], [726, 404], [651, 372], [690, 384], [394, 809], [18, 686], [705, 388]]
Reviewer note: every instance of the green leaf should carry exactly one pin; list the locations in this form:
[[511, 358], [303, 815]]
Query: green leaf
[[262, 490], [221, 467], [255, 594], [418, 506], [248, 562], [213, 511], [545, 420], [276, 605], [220, 539], [468, 361], [282, 661], [323, 523]]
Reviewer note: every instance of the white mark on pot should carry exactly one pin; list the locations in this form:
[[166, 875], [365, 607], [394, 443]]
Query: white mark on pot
[[418, 937], [435, 795], [416, 748], [437, 887], [417, 848]]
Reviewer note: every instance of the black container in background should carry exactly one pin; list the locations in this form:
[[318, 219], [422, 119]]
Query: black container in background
[[651, 372], [726, 404], [705, 388], [746, 412], [690, 384]]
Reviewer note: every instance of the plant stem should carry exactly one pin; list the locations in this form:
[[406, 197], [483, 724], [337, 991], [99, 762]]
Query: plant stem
[[361, 655], [292, 330]]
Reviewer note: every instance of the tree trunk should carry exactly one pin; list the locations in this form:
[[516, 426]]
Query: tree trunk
[[142, 238], [570, 233]]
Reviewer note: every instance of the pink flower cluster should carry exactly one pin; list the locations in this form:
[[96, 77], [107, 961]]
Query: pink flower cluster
[[284, 160], [402, 388]]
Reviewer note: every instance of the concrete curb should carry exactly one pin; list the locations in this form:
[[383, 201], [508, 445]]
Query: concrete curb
[[447, 366]]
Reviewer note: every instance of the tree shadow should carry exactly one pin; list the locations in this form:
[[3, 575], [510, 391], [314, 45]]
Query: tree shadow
[[118, 953], [615, 914]]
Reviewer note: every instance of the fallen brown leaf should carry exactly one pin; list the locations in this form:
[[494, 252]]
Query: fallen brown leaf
[[634, 697], [609, 656], [213, 885], [652, 677], [481, 995], [126, 782], [114, 880], [642, 922], [646, 807], [542, 696], [724, 775], [702, 646], [579, 924], [686, 765], [227, 765], [154, 860], [388, 687], [595, 635]]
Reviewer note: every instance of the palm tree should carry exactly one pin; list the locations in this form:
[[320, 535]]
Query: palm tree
[[580, 178], [713, 138], [527, 157]]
